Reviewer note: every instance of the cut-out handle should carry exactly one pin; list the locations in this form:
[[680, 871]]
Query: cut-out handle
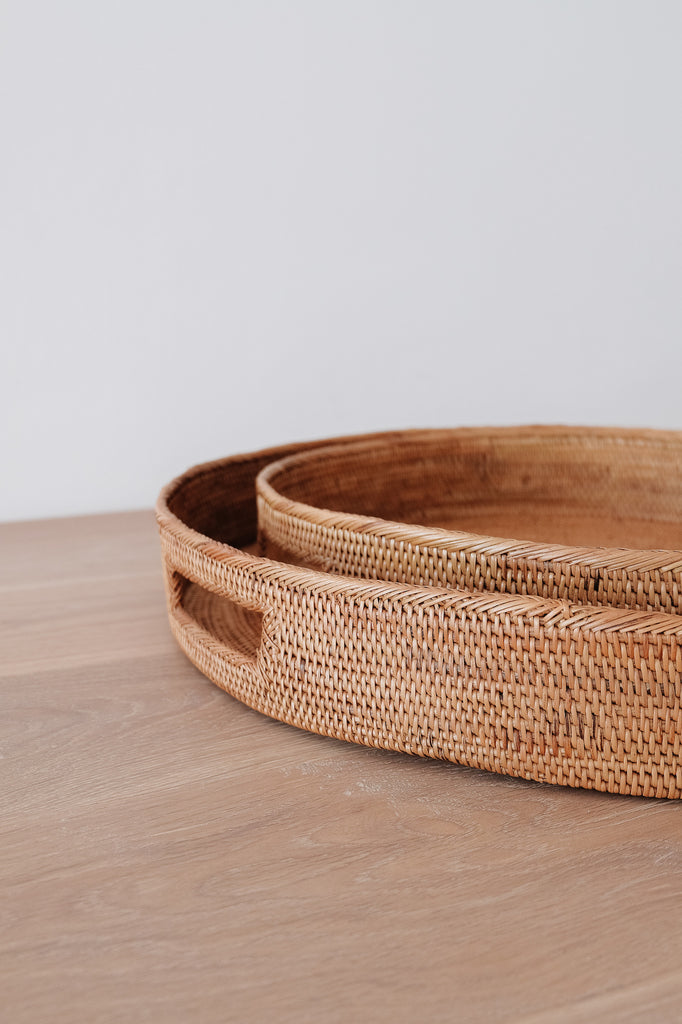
[[226, 632]]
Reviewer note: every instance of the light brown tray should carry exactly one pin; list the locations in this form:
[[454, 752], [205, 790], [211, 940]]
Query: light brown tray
[[559, 662]]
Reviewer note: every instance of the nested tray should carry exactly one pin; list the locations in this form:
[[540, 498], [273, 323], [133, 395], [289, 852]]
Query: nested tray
[[545, 657]]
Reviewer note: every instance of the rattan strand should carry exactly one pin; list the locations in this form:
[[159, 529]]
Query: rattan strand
[[546, 661]]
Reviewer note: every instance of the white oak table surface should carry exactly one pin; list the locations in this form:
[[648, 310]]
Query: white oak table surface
[[167, 854]]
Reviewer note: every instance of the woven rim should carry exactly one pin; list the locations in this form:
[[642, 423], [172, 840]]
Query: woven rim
[[545, 689]]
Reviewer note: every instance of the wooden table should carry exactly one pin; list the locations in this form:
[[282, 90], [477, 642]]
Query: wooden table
[[171, 855]]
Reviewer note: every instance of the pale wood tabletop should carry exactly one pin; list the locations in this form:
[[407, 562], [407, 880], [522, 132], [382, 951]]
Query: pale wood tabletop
[[171, 855]]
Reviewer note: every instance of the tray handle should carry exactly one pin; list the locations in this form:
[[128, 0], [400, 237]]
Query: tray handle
[[224, 635]]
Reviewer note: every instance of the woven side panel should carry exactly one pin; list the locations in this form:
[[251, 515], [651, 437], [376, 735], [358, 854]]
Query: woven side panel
[[512, 694], [478, 564]]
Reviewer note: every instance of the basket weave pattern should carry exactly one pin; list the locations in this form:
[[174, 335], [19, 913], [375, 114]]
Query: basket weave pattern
[[548, 662]]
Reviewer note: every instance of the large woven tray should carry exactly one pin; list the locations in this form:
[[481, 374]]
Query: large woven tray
[[545, 657]]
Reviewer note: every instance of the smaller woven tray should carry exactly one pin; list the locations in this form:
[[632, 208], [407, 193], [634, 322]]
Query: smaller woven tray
[[612, 498], [545, 658]]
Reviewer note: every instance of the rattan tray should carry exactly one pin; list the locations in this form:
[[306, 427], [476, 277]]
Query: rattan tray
[[544, 657]]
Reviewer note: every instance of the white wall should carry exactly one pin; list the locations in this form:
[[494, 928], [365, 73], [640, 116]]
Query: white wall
[[231, 224]]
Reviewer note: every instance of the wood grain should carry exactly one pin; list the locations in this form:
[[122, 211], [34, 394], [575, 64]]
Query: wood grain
[[168, 854]]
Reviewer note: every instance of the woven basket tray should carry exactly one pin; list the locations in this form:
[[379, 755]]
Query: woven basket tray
[[544, 657]]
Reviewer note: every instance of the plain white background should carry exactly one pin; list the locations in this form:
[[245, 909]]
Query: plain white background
[[226, 225]]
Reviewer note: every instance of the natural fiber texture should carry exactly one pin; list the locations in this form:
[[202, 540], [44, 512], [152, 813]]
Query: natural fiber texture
[[545, 657]]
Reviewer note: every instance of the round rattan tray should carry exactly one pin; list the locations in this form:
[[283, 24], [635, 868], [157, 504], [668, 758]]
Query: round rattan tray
[[555, 657]]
